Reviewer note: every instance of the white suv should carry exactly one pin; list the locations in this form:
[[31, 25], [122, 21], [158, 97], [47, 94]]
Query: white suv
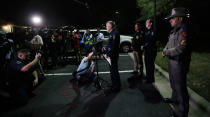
[[125, 41]]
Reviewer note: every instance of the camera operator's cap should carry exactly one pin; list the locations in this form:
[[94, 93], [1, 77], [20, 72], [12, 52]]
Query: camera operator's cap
[[177, 12]]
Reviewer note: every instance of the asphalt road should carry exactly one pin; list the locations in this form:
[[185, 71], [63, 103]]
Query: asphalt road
[[56, 97]]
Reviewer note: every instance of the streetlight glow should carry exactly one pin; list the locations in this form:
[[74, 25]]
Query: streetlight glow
[[36, 20]]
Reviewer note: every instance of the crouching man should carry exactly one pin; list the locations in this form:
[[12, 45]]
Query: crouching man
[[22, 76], [85, 71]]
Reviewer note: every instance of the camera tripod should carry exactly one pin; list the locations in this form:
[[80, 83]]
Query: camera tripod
[[101, 82]]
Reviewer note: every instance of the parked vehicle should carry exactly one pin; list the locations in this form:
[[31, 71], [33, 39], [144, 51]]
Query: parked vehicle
[[125, 41]]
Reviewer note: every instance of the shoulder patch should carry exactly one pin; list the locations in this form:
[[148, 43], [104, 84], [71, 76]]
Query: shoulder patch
[[183, 42], [184, 34], [113, 36], [18, 62], [152, 33], [137, 37]]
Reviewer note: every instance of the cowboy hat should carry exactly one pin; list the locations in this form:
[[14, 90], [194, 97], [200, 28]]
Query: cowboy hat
[[177, 12]]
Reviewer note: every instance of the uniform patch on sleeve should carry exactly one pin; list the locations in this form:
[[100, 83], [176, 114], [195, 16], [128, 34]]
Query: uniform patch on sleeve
[[152, 33], [183, 42], [184, 34], [18, 62], [114, 36], [137, 37]]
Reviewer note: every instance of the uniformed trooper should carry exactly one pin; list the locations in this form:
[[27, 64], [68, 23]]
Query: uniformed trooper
[[22, 76], [112, 50], [150, 51], [137, 42], [179, 53]]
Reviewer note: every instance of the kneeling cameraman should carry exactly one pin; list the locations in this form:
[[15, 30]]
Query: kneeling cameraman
[[85, 71]]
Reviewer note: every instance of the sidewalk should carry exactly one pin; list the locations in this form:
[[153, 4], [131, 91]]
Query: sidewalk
[[199, 107]]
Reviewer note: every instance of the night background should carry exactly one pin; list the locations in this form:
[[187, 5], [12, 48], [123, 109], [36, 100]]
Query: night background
[[52, 96], [85, 13], [94, 13]]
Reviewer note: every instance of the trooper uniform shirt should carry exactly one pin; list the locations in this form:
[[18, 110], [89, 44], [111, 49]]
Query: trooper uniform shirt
[[177, 42], [177, 47], [137, 41]]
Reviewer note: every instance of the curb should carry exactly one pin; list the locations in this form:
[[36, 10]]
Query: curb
[[195, 99]]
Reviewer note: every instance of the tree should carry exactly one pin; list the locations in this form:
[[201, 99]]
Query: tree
[[163, 7]]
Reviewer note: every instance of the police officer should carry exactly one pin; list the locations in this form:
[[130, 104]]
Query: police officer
[[137, 42], [150, 51], [112, 50], [22, 76], [179, 54]]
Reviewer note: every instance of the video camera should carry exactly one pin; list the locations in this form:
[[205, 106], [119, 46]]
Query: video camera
[[97, 47], [40, 52]]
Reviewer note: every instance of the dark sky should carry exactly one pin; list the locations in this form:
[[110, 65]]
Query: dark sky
[[67, 12]]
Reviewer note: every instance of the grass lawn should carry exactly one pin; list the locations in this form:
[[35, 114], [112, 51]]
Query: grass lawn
[[198, 78]]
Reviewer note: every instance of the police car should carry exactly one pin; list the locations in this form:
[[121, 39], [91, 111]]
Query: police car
[[125, 41]]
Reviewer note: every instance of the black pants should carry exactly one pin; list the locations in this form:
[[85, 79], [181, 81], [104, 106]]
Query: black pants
[[20, 96], [149, 58], [140, 61], [178, 75], [115, 76], [21, 91]]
